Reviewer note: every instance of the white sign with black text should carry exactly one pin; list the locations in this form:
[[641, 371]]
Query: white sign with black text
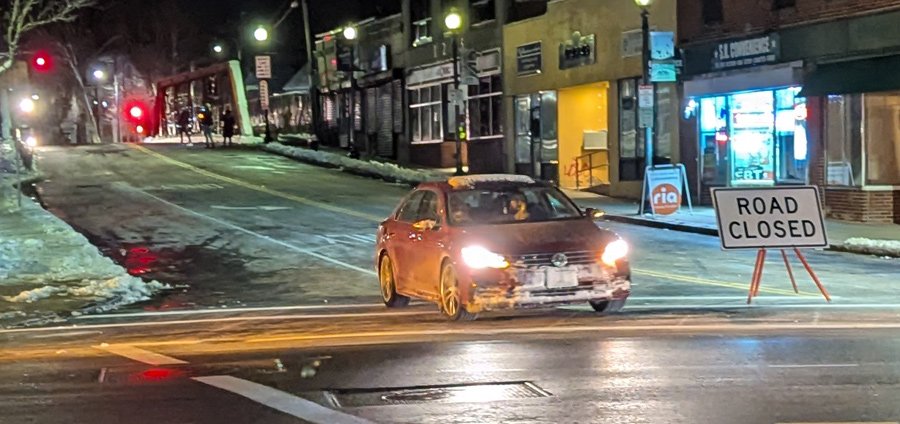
[[776, 217], [264, 94], [263, 67]]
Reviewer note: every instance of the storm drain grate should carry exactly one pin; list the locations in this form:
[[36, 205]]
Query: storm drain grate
[[482, 392]]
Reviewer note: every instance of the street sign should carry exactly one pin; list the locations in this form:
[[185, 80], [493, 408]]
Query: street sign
[[455, 96], [776, 217], [665, 189], [264, 94], [468, 62], [645, 105], [263, 67]]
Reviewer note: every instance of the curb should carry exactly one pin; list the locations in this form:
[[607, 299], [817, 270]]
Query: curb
[[663, 225], [715, 233]]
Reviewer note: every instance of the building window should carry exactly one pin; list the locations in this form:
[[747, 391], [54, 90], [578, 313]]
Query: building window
[[882, 130], [843, 140], [712, 12], [861, 129], [783, 4], [420, 22], [631, 138], [485, 108], [425, 118], [483, 11]]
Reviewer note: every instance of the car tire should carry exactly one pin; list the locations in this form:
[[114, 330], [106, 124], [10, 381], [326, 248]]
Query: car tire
[[607, 307], [450, 302], [388, 284]]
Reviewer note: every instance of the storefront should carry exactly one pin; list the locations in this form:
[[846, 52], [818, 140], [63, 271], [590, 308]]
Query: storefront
[[788, 108], [431, 118], [571, 86]]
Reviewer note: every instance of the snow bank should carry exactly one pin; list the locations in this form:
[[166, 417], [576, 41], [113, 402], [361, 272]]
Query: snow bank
[[106, 294], [383, 170], [871, 246]]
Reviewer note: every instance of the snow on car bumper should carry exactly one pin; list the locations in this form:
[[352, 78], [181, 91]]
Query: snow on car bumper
[[515, 295]]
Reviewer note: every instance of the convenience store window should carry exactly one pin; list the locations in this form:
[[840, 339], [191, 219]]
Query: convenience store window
[[755, 138]]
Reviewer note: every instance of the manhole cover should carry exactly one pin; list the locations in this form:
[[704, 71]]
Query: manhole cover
[[487, 392]]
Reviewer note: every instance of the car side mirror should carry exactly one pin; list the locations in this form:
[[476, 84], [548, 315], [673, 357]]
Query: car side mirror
[[593, 213], [425, 225]]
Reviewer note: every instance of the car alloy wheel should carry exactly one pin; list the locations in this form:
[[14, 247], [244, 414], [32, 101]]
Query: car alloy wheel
[[451, 305], [388, 285]]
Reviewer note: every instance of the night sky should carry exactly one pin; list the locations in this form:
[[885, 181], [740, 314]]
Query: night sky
[[220, 18]]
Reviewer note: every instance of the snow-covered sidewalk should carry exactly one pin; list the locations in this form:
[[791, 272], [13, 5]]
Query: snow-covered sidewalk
[[49, 272], [375, 169]]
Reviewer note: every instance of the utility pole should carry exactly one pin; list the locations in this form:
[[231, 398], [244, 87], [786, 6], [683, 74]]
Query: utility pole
[[313, 71]]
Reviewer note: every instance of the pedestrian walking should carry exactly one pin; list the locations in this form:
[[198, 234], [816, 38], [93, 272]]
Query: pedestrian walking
[[184, 126], [227, 127], [206, 123]]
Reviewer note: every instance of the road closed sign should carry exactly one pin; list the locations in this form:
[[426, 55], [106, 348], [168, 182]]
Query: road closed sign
[[778, 217]]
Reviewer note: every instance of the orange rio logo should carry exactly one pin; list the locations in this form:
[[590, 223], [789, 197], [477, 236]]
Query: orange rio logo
[[665, 198]]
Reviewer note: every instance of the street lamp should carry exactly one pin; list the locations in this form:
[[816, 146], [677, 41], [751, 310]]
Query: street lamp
[[261, 34], [98, 74], [453, 22], [350, 33], [26, 105], [218, 49], [644, 5]]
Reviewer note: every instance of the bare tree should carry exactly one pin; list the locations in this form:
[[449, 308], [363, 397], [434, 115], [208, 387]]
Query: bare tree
[[24, 16]]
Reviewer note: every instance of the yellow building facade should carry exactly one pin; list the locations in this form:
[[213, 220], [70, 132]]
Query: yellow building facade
[[571, 80]]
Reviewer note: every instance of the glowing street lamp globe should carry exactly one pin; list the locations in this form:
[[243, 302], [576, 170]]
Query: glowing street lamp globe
[[643, 3], [261, 34], [26, 105], [98, 74], [350, 33], [453, 20], [218, 48]]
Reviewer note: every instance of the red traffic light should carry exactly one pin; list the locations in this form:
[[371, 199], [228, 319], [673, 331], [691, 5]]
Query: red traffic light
[[42, 61], [136, 112]]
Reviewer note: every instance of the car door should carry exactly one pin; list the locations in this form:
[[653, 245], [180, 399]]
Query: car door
[[428, 238], [400, 245]]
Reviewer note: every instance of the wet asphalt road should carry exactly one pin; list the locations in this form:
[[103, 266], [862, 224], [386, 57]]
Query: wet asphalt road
[[243, 235], [235, 228]]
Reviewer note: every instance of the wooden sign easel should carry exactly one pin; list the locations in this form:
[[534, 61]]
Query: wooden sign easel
[[761, 262]]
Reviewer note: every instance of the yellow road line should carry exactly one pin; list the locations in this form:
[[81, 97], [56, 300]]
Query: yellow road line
[[363, 215], [708, 282], [259, 188]]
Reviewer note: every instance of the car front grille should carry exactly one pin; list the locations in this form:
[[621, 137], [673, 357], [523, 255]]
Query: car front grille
[[578, 257]]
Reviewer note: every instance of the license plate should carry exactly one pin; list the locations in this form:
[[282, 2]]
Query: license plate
[[561, 277]]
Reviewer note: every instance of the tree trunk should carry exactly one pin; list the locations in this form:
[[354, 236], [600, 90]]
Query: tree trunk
[[83, 97]]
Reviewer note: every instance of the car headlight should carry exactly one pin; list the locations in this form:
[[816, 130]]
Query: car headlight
[[614, 251], [478, 257]]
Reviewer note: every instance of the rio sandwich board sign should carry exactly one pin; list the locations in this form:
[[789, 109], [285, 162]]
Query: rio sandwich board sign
[[778, 217]]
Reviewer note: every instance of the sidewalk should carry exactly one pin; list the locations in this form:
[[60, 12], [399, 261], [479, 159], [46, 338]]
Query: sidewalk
[[48, 271], [875, 239]]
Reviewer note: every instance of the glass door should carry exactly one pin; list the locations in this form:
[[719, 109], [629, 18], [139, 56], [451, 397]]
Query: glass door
[[752, 124], [791, 145]]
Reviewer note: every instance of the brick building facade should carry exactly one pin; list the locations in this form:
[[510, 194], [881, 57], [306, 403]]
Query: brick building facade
[[795, 92]]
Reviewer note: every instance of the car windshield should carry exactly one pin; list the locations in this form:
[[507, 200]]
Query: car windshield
[[509, 205]]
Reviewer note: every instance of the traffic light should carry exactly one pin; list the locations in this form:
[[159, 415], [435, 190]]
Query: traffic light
[[136, 114], [42, 62]]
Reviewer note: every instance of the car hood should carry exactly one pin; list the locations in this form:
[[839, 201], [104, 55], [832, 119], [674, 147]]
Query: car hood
[[538, 237]]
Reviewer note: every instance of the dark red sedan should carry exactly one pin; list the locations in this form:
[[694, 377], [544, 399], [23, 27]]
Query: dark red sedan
[[486, 242]]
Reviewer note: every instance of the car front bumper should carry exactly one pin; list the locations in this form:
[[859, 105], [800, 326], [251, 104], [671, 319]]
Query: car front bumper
[[516, 288]]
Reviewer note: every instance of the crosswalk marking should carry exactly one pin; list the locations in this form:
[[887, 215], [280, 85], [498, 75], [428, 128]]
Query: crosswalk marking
[[140, 355], [282, 401]]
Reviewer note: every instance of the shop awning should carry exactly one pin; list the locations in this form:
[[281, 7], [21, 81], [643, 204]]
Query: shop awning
[[858, 76]]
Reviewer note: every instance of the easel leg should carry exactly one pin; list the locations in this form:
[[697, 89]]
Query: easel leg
[[762, 263], [790, 271], [754, 280], [812, 274]]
